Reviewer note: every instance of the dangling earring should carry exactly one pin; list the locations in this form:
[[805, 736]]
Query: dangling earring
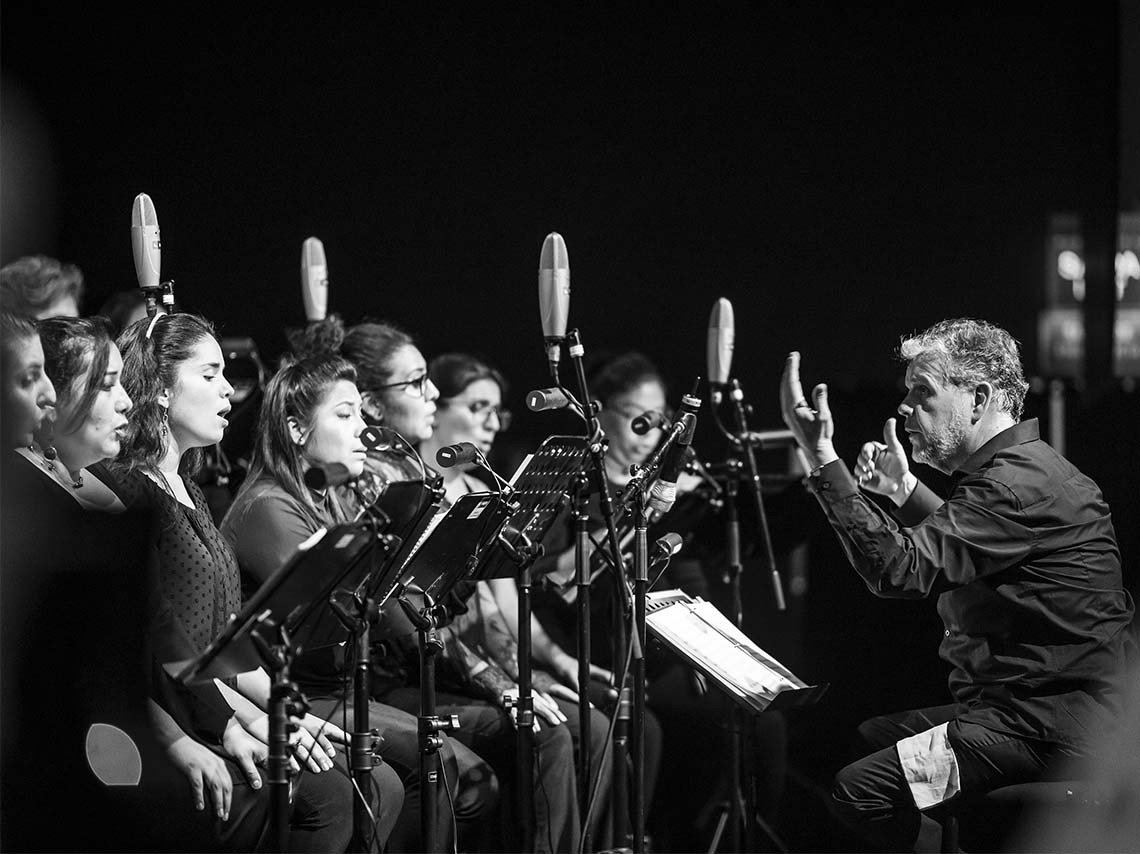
[[165, 422]]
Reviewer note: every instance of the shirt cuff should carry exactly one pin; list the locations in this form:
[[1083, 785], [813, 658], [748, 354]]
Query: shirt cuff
[[921, 502], [833, 483], [930, 766]]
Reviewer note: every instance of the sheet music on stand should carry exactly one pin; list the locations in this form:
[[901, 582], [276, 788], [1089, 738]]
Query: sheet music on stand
[[541, 485], [451, 548], [410, 507], [708, 640]]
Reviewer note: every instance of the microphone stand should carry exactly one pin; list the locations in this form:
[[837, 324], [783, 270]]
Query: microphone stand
[[596, 447], [640, 590], [734, 811], [745, 441], [153, 295], [581, 499], [635, 492], [285, 701], [430, 724], [740, 815], [365, 741], [524, 557]]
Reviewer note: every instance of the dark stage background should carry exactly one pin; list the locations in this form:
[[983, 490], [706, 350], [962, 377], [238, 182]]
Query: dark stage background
[[843, 174]]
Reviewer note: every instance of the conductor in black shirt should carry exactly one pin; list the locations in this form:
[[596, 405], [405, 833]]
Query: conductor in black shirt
[[1021, 556]]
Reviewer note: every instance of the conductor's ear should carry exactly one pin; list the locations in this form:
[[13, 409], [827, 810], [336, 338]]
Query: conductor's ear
[[983, 397]]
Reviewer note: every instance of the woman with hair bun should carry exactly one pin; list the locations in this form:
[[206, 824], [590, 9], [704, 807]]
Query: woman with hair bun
[[398, 394], [311, 417]]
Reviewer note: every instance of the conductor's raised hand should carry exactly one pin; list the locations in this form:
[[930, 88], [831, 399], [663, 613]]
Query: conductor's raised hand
[[810, 423], [882, 466]]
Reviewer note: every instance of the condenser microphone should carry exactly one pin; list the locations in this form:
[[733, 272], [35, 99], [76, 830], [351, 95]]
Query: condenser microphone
[[721, 340], [554, 295], [146, 246], [647, 421], [314, 280], [663, 493], [457, 454]]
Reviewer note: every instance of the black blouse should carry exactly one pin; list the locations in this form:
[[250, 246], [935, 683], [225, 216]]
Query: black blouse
[[197, 568]]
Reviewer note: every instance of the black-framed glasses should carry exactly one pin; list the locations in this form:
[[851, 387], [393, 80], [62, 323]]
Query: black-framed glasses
[[413, 388], [481, 409]]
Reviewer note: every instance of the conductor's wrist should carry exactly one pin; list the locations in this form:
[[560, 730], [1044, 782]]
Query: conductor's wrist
[[907, 484], [822, 455]]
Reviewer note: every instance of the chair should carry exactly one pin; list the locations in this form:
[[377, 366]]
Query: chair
[[990, 821]]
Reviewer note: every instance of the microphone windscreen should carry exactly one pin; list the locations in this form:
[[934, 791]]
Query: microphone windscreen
[[542, 399], [376, 438], [458, 454], [668, 545], [314, 280], [554, 286], [330, 474], [647, 421], [145, 242], [721, 340]]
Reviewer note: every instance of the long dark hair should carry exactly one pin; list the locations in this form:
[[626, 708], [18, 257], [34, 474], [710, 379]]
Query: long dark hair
[[294, 391], [153, 349], [72, 346]]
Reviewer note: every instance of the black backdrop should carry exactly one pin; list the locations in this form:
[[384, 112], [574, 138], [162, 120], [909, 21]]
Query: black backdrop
[[843, 174]]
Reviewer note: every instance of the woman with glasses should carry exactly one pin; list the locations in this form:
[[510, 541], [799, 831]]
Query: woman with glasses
[[470, 409], [311, 417], [398, 394]]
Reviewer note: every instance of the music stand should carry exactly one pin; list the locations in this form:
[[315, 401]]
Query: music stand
[[458, 538], [265, 629], [541, 491], [442, 557], [495, 535], [400, 514], [408, 507], [749, 677]]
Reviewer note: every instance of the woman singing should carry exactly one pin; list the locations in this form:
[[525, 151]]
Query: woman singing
[[173, 369], [310, 416]]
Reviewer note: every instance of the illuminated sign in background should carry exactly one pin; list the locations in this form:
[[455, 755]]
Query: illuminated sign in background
[[1061, 325]]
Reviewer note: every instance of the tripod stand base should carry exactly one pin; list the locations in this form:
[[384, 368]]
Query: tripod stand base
[[723, 812]]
